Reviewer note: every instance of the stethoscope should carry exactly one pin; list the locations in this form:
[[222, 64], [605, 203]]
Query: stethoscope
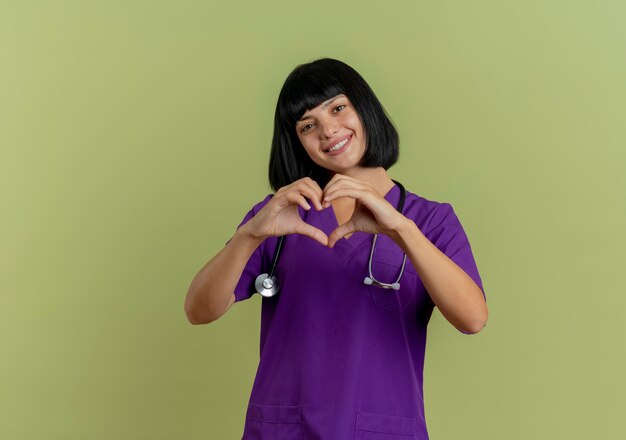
[[267, 285]]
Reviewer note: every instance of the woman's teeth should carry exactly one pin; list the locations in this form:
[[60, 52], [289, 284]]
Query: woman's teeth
[[338, 146]]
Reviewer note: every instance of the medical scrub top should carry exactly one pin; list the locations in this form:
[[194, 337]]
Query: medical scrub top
[[340, 359]]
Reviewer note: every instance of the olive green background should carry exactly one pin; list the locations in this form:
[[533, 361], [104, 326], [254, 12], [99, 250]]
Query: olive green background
[[135, 135]]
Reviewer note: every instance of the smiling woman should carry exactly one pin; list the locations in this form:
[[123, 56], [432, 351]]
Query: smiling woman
[[343, 334], [320, 104]]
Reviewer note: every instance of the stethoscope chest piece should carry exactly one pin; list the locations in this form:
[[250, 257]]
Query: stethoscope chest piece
[[267, 286]]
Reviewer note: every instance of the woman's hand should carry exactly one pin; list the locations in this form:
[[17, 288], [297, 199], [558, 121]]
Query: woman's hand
[[372, 213], [280, 215]]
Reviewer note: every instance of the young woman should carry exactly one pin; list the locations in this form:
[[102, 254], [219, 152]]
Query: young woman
[[350, 266]]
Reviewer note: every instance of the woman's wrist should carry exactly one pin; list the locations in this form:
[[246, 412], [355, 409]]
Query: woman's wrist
[[405, 228], [247, 232]]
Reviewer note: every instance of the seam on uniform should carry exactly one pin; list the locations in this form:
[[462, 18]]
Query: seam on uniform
[[428, 229]]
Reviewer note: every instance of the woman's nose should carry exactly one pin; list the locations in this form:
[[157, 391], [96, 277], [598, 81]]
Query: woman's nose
[[330, 128]]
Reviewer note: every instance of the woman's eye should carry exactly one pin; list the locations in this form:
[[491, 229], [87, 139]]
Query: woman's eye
[[304, 128]]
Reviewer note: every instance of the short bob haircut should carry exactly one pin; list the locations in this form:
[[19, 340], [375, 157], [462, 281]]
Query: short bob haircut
[[306, 87]]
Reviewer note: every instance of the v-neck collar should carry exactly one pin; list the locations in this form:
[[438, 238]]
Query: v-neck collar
[[345, 246]]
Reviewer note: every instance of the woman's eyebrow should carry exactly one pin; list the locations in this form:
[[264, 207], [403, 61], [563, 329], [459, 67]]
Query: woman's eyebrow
[[324, 105]]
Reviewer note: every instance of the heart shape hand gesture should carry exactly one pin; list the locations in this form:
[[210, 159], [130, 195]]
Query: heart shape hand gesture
[[280, 216]]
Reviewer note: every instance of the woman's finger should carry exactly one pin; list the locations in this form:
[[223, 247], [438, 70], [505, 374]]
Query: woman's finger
[[295, 197], [344, 183], [312, 190], [305, 186], [355, 193], [340, 178]]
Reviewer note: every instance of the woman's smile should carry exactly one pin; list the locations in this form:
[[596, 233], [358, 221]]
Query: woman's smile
[[339, 147]]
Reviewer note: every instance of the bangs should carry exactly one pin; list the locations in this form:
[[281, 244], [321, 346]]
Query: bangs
[[303, 91]]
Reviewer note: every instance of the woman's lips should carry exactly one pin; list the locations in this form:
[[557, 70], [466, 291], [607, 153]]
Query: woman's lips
[[342, 149]]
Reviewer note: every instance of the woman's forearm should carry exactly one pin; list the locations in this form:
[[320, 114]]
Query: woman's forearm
[[211, 292], [456, 295]]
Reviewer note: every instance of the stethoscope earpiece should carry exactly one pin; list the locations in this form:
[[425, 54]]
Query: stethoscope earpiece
[[370, 281]]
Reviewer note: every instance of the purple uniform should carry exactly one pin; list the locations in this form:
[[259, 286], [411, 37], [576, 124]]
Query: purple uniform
[[340, 359]]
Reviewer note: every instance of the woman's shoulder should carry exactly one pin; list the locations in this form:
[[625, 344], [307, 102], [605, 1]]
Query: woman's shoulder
[[257, 206], [422, 209], [418, 201]]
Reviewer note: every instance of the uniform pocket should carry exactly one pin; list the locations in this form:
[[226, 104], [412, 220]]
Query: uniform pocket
[[370, 426], [272, 422], [386, 266]]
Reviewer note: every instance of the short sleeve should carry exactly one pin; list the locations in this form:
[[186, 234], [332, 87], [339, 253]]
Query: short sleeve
[[446, 232], [253, 268]]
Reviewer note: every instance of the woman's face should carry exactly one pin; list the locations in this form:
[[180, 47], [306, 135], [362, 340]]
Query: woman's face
[[327, 126]]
